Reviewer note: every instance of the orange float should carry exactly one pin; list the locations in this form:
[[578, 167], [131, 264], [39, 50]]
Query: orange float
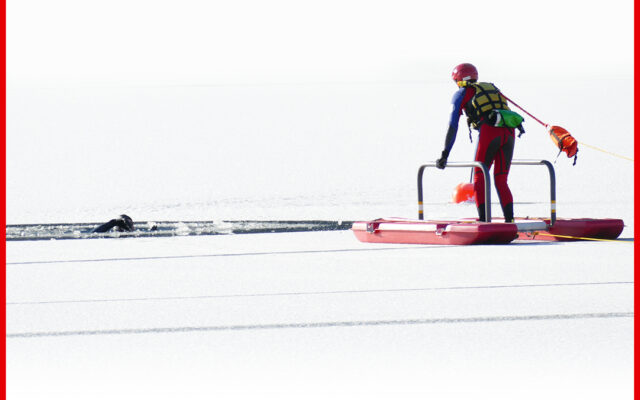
[[464, 192]]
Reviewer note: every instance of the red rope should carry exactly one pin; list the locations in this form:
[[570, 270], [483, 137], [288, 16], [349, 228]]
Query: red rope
[[525, 111]]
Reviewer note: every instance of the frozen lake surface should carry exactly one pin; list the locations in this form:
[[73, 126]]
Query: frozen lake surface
[[308, 314], [317, 315]]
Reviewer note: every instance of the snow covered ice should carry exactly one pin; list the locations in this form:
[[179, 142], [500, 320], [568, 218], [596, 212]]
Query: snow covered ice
[[317, 315]]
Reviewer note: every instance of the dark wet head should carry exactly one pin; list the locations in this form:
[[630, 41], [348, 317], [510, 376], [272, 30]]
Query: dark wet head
[[127, 224]]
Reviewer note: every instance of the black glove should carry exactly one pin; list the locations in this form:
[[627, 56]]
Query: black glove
[[442, 161]]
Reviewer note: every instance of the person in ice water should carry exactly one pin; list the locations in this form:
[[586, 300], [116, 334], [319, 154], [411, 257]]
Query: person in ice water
[[122, 224], [480, 102]]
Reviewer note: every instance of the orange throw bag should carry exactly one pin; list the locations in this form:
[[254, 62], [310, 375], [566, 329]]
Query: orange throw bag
[[564, 141]]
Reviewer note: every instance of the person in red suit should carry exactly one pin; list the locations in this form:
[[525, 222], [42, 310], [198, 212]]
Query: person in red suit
[[482, 103]]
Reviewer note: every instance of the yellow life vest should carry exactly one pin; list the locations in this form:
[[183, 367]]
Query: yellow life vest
[[486, 99]]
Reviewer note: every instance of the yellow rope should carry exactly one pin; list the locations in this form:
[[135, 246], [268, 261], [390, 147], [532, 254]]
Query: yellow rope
[[580, 238], [605, 151]]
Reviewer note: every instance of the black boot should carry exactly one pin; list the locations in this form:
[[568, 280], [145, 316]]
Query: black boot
[[507, 210], [481, 214]]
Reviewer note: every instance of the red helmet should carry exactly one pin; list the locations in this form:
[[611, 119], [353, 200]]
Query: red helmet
[[465, 72]]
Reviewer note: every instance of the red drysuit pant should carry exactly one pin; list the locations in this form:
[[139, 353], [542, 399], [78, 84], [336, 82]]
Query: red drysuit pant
[[495, 146]]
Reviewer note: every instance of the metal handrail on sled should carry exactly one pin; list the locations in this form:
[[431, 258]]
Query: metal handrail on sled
[[487, 183], [457, 164]]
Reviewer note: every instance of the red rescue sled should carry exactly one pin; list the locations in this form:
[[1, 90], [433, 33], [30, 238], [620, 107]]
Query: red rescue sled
[[397, 230], [470, 231], [575, 229]]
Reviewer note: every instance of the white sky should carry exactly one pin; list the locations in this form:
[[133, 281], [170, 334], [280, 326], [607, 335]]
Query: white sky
[[211, 41]]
